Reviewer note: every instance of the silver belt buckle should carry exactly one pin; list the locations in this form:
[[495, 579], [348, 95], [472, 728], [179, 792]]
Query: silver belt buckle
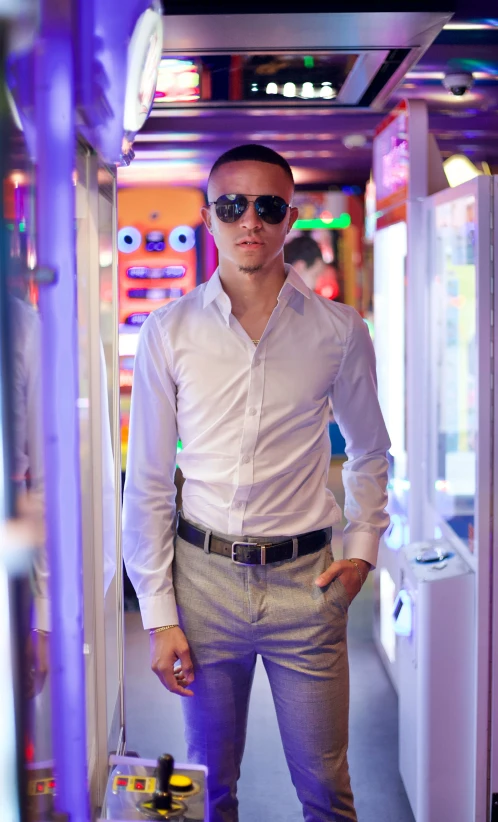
[[252, 545]]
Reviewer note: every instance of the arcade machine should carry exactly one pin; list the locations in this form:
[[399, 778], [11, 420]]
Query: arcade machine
[[406, 168], [161, 246], [447, 579], [110, 80]]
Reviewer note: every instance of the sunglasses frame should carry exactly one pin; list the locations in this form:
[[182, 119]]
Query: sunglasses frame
[[254, 202]]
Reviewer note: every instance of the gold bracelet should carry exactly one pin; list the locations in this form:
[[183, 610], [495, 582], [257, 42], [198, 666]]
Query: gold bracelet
[[164, 628], [358, 569]]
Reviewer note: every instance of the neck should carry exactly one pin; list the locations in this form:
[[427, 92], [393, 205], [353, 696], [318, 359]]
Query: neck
[[252, 290]]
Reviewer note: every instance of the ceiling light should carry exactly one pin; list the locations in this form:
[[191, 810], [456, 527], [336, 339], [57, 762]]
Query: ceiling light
[[424, 75], [327, 92], [272, 88], [354, 140], [459, 169], [468, 26], [289, 90]]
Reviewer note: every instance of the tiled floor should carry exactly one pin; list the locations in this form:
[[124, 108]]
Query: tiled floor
[[154, 725]]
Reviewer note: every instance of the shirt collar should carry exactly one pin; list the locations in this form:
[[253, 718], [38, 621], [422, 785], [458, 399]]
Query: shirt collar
[[214, 288]]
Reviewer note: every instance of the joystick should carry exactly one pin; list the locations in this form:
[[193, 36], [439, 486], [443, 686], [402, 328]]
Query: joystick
[[162, 798]]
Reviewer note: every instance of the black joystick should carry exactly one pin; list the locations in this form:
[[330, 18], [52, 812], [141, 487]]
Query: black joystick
[[162, 798]]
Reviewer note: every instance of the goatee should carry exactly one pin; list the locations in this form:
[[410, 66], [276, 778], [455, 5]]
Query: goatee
[[250, 269]]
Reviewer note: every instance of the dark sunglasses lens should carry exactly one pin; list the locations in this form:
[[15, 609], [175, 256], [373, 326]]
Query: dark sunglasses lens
[[271, 209], [230, 207]]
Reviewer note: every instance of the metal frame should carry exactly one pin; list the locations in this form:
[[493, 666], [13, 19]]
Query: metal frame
[[371, 36], [482, 189]]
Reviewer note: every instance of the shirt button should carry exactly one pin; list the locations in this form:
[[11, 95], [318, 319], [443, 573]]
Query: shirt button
[[237, 505], [246, 459], [252, 412], [256, 361]]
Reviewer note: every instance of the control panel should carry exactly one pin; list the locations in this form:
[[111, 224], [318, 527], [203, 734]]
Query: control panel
[[140, 789]]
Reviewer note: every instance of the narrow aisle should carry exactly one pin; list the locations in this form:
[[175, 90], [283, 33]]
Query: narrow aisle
[[154, 725]]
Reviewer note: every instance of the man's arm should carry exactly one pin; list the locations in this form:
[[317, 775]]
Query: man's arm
[[149, 506], [357, 411]]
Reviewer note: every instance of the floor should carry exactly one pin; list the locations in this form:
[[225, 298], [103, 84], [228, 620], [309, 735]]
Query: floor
[[154, 725]]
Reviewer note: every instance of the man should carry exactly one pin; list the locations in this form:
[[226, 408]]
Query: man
[[241, 369], [304, 255]]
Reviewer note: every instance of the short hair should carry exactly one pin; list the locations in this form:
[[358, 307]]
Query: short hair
[[255, 152], [302, 248]]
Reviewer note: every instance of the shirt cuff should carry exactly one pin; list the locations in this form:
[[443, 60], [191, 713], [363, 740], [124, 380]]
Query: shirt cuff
[[41, 614], [158, 610], [361, 545]]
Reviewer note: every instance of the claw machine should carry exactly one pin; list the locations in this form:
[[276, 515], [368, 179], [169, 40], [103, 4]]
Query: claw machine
[[406, 168], [456, 406]]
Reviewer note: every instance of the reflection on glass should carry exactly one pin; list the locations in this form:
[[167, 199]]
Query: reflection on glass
[[389, 301], [109, 402], [453, 303], [27, 460]]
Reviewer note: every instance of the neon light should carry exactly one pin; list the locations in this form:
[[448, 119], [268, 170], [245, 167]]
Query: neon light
[[308, 90], [272, 88], [309, 61], [289, 90], [344, 221]]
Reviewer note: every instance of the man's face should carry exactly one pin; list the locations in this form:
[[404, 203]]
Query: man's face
[[309, 273], [249, 243]]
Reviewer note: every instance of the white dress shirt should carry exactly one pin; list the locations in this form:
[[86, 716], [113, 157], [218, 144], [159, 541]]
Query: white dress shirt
[[253, 421]]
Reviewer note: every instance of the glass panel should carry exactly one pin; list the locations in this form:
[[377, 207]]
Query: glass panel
[[453, 305], [32, 605], [389, 336], [109, 399]]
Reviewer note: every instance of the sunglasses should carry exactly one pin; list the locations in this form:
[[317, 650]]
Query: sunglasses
[[230, 208]]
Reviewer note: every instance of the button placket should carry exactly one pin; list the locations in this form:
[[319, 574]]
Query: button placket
[[245, 473]]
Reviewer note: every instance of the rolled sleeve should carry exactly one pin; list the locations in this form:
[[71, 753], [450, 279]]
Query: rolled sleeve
[[149, 497], [358, 414]]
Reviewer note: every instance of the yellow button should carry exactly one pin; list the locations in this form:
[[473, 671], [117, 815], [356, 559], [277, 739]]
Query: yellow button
[[180, 783]]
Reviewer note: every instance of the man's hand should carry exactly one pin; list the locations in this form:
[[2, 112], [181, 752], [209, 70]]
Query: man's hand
[[347, 572], [170, 660]]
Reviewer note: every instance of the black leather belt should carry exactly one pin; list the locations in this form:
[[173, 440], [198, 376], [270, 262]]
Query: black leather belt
[[251, 551]]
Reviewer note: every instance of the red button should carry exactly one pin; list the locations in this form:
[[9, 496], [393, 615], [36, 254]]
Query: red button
[[40, 787], [139, 785]]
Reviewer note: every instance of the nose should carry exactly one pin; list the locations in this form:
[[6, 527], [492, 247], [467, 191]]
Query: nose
[[251, 219]]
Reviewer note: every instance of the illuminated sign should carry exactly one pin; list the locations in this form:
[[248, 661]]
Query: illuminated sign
[[178, 81], [391, 158]]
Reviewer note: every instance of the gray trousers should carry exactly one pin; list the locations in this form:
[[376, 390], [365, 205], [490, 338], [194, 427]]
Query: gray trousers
[[231, 613]]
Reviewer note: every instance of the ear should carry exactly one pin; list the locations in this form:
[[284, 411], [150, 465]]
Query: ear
[[293, 215], [206, 218]]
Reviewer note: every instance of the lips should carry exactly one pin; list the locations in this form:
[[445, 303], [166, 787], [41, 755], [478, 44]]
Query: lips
[[249, 243]]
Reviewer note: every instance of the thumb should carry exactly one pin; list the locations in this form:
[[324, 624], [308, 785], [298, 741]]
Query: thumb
[[327, 576]]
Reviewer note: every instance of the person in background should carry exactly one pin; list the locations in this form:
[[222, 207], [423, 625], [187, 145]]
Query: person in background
[[304, 255]]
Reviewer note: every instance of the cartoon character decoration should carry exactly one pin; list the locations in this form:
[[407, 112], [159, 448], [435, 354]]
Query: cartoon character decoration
[[160, 244]]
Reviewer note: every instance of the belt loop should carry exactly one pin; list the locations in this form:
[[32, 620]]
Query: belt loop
[[295, 545], [207, 540]]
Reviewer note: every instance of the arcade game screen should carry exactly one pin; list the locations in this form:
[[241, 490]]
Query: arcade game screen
[[453, 306], [160, 260]]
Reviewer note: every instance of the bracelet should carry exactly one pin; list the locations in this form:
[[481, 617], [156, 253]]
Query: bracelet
[[353, 561], [40, 631], [164, 628]]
